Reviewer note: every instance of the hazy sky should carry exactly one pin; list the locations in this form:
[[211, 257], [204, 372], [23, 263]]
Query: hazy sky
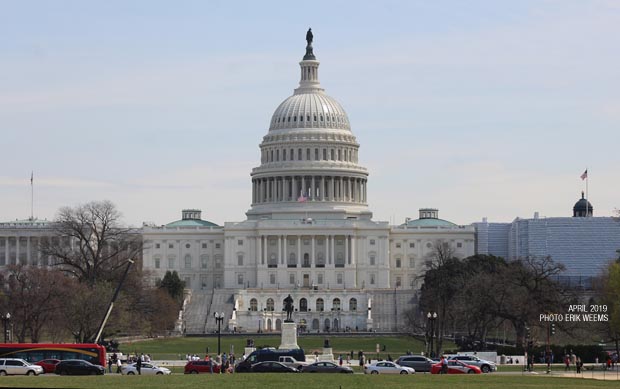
[[478, 108]]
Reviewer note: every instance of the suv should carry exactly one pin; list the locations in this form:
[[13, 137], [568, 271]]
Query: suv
[[485, 366], [18, 366], [418, 362], [195, 367], [78, 367], [265, 355]]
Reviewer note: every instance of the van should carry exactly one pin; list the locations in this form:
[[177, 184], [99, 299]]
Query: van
[[13, 366], [264, 355]]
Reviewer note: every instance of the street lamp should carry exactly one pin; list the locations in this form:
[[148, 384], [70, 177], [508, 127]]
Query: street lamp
[[432, 316], [6, 319], [219, 318]]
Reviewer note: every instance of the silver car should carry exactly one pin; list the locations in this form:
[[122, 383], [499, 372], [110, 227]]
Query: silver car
[[15, 366], [387, 367], [485, 366]]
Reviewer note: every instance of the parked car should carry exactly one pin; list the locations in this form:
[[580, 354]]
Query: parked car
[[485, 366], [419, 363], [292, 362], [146, 369], [326, 367], [48, 365], [78, 367], [15, 366], [196, 367], [456, 367], [387, 367], [272, 367]]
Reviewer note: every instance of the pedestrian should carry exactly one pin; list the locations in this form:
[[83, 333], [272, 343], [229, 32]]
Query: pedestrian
[[340, 359], [566, 362], [578, 365], [139, 366], [348, 360], [444, 365], [110, 362], [119, 365]]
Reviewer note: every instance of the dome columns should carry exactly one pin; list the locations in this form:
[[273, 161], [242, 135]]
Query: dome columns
[[313, 188]]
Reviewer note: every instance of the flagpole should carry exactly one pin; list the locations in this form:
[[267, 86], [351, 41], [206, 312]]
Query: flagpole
[[587, 203], [32, 195]]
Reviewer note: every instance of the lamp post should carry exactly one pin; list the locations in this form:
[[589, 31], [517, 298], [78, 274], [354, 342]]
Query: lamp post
[[432, 316], [6, 319], [219, 318]]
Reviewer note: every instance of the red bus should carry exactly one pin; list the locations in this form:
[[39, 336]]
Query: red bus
[[34, 352]]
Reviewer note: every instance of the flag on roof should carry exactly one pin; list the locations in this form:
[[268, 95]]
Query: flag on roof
[[584, 175]]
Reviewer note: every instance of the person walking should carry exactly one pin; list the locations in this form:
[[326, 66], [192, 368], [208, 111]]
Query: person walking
[[119, 366], [139, 366]]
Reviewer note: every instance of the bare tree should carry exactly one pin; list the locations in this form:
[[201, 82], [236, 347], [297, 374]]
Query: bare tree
[[90, 243]]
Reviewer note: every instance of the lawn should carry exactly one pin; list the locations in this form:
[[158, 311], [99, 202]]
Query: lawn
[[314, 381], [176, 348]]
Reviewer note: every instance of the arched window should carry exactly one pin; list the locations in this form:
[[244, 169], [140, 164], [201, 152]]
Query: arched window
[[270, 305], [320, 305], [336, 304], [306, 260], [188, 261], [284, 155], [253, 305], [398, 262], [353, 304], [303, 305]]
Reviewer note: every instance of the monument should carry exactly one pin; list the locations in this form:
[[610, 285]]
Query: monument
[[327, 354], [289, 327]]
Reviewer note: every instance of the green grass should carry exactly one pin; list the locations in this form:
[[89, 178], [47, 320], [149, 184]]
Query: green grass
[[357, 381], [176, 348]]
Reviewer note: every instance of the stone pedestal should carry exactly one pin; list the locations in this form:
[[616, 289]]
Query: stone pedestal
[[289, 336], [327, 355]]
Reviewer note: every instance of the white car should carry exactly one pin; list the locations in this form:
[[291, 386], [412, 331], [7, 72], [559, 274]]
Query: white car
[[14, 366], [146, 369], [387, 367]]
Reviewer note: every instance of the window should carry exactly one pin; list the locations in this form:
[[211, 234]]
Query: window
[[240, 242], [204, 260], [157, 245], [204, 245], [272, 279], [372, 279], [187, 246], [316, 154], [240, 279], [459, 244], [336, 304], [372, 242], [170, 246], [412, 262], [272, 242], [291, 278], [411, 245], [217, 245], [332, 154], [353, 304], [218, 262], [398, 245], [324, 154], [240, 260], [303, 305], [299, 154], [253, 305], [170, 263], [320, 278], [339, 278], [372, 260], [307, 154], [188, 261], [270, 305], [339, 155], [284, 155], [319, 242], [398, 262], [399, 281], [320, 305], [157, 263], [428, 245]]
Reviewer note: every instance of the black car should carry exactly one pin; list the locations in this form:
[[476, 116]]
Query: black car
[[273, 367], [419, 362], [78, 367]]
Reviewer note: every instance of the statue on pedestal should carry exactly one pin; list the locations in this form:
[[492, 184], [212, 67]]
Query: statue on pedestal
[[288, 307]]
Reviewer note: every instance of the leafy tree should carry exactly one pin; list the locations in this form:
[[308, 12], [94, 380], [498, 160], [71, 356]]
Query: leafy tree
[[172, 284], [90, 243], [609, 295]]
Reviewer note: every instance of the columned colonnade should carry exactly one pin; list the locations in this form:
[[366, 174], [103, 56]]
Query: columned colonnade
[[314, 188], [321, 250]]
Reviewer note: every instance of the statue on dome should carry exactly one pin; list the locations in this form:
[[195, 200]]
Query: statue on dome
[[309, 37]]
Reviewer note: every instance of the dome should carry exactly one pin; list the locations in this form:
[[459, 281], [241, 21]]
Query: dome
[[310, 110], [582, 207], [191, 218], [429, 222]]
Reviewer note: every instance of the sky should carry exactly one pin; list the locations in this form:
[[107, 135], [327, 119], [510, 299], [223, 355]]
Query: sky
[[478, 108]]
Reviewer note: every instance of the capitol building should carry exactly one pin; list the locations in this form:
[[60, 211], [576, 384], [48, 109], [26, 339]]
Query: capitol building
[[309, 233]]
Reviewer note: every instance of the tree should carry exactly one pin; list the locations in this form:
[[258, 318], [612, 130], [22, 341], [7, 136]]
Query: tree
[[173, 285], [89, 242], [609, 293]]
